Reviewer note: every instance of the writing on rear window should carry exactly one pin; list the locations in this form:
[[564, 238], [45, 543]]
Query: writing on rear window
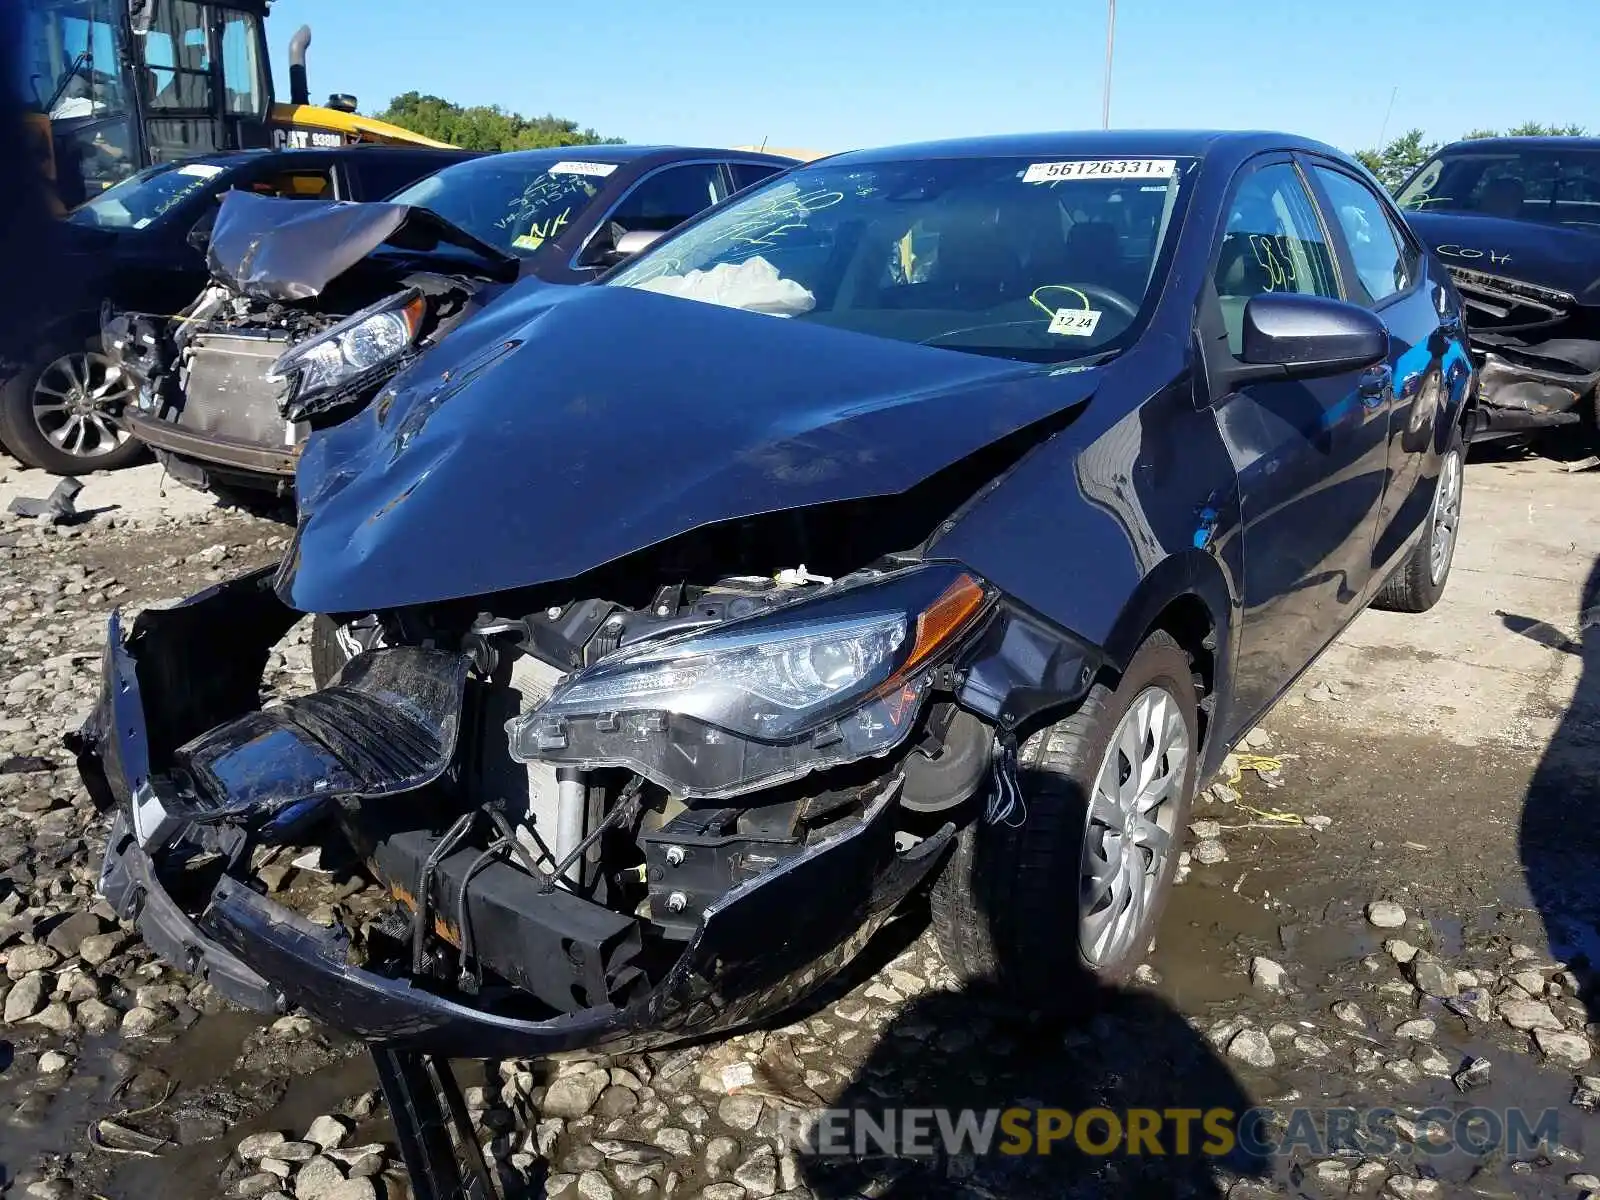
[[1092, 168]]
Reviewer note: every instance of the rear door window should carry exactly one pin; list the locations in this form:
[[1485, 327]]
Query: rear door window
[[670, 197], [384, 173], [747, 173], [1272, 242], [1363, 224], [298, 183]]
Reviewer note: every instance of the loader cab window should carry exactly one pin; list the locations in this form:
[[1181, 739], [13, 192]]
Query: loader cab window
[[70, 64], [244, 82], [177, 55]]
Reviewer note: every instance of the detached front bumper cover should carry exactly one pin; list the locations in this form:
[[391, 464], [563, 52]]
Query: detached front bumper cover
[[756, 950]]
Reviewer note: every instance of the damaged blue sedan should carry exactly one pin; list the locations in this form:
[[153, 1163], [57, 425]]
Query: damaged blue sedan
[[925, 518]]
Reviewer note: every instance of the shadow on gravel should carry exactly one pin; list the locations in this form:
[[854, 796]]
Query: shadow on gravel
[[1559, 840], [955, 1052]]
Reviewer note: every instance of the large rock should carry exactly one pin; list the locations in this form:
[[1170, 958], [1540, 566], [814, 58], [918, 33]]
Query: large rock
[[1386, 914], [740, 1112], [97, 949], [1528, 1015], [1253, 1047], [97, 1016], [55, 1016], [259, 1145], [1266, 974], [25, 999], [1433, 977], [65, 938], [25, 960], [758, 1174], [317, 1179], [574, 1093], [328, 1132], [1565, 1049]]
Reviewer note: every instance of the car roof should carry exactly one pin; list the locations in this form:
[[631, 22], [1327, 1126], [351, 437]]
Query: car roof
[[231, 159], [644, 155], [1122, 143], [1504, 144]]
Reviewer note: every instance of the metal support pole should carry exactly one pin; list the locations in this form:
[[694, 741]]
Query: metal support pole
[[432, 1126], [1111, 39]]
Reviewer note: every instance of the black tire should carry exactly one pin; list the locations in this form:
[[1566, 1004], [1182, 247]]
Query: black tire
[[1007, 906], [20, 429], [1416, 584]]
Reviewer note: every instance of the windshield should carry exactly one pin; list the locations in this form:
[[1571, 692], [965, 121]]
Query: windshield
[[1037, 260], [514, 203], [143, 198], [70, 61], [1554, 186]]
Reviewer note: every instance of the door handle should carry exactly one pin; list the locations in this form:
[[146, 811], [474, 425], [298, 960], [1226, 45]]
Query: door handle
[[1376, 384]]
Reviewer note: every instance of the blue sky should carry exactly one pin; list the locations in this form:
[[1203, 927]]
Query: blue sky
[[834, 75]]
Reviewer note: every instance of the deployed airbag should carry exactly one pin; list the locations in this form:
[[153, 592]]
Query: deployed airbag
[[753, 285]]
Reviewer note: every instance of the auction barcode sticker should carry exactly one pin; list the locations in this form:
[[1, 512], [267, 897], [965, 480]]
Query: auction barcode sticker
[[1075, 322], [583, 168], [1102, 168]]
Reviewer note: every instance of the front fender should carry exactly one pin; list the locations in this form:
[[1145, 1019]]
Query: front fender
[[1109, 522]]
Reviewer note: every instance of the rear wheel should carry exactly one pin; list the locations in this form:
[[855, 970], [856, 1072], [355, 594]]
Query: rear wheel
[[1070, 891], [65, 412], [1418, 582]]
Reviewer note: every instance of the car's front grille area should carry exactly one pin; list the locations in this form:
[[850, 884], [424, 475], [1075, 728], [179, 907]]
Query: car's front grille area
[[227, 393], [1504, 305]]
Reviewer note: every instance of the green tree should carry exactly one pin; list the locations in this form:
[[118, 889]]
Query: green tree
[[1394, 163], [1527, 129], [484, 126]]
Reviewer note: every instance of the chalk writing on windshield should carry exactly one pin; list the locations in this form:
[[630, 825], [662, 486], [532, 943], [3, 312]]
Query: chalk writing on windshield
[[763, 224], [527, 210]]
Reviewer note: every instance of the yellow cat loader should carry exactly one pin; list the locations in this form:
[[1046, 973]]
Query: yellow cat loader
[[114, 86]]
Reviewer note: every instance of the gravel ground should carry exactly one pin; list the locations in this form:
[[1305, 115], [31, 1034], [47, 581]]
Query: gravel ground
[[1401, 883]]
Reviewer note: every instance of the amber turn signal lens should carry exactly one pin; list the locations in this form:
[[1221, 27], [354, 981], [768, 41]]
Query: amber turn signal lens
[[946, 617]]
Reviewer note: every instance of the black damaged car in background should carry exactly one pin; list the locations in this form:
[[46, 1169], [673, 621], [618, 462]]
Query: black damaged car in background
[[64, 406], [1517, 223], [932, 516], [310, 309]]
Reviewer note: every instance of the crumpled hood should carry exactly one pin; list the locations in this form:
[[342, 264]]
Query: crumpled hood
[[1552, 256], [273, 249], [568, 426]]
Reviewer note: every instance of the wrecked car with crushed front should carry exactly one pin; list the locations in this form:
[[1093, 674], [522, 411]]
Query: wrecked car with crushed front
[[929, 516], [312, 305], [1516, 221]]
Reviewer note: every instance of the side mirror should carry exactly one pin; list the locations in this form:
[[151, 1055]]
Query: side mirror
[[635, 241], [1288, 336]]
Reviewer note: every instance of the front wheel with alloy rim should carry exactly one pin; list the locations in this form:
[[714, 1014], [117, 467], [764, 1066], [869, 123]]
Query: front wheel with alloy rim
[[1066, 892], [1418, 582], [65, 413]]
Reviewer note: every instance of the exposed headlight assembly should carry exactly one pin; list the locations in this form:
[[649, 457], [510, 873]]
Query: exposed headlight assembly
[[754, 702], [360, 350]]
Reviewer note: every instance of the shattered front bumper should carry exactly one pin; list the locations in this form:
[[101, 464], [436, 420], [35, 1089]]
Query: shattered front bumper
[[756, 950], [1529, 389]]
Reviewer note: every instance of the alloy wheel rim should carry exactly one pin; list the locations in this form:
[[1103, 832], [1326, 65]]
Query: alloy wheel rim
[[1446, 516], [77, 404], [1130, 829]]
